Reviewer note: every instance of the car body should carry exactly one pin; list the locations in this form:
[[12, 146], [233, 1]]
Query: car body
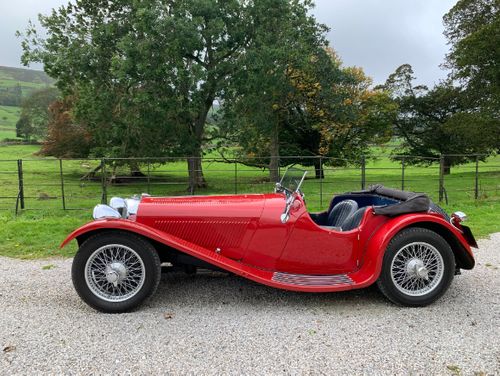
[[271, 239]]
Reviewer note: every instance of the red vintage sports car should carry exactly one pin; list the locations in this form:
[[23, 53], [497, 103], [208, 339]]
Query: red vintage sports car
[[400, 240]]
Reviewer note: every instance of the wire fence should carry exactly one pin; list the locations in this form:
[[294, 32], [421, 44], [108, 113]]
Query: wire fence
[[76, 184]]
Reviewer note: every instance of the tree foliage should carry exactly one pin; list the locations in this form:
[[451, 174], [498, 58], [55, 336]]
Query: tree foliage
[[461, 115], [34, 118], [308, 105], [261, 96], [143, 74], [473, 30], [65, 138], [363, 117], [11, 96], [436, 121]]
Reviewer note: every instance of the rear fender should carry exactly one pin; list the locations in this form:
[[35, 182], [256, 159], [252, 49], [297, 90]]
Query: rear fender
[[374, 249]]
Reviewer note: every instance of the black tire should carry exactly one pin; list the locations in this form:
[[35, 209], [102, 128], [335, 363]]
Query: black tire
[[393, 291], [144, 251]]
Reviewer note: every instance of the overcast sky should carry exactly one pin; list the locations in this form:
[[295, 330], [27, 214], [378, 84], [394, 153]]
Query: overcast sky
[[378, 35]]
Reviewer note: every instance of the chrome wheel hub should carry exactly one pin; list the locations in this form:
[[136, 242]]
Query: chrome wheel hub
[[417, 269], [115, 273]]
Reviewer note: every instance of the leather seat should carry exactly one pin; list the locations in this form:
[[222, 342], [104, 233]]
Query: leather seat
[[340, 212], [353, 220]]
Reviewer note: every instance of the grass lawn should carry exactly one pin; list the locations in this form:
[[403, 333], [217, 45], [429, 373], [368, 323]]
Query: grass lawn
[[7, 133], [43, 225], [9, 115]]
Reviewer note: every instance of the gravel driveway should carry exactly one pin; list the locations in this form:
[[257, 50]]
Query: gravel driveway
[[212, 324]]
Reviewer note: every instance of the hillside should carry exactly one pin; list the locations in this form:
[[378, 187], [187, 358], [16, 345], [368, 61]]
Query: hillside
[[16, 84], [26, 77]]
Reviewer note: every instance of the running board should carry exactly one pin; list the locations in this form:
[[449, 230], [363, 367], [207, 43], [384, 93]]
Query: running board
[[312, 280]]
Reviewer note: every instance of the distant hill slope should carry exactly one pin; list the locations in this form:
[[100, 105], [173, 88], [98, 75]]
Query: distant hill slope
[[17, 83], [24, 76]]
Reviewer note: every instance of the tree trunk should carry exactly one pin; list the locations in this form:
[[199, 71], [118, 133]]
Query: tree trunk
[[135, 170], [446, 166], [274, 162], [195, 168], [318, 169], [196, 178]]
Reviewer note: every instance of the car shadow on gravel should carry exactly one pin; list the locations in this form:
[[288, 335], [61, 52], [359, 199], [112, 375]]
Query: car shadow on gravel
[[216, 289]]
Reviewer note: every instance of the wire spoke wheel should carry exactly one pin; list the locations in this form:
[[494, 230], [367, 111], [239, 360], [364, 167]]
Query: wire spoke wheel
[[115, 273], [417, 269]]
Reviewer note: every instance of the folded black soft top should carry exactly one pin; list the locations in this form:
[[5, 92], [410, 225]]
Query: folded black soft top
[[409, 202]]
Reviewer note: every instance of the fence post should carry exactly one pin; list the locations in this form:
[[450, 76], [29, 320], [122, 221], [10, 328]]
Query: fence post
[[104, 198], [441, 178], [235, 177], [321, 182], [149, 177], [279, 169], [20, 181], [363, 172], [403, 173], [476, 186], [62, 184]]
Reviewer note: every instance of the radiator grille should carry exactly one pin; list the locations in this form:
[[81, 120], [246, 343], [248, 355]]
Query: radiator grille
[[207, 233]]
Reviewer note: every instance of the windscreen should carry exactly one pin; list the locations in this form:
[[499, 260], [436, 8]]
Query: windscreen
[[292, 180]]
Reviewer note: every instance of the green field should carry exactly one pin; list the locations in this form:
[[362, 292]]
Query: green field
[[9, 115], [26, 87], [38, 230]]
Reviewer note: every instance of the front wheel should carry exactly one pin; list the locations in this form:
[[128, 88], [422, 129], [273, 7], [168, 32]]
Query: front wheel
[[417, 269], [115, 271]]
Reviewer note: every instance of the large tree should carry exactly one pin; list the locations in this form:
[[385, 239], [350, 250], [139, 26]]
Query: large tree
[[435, 122], [304, 104], [143, 75], [363, 117], [258, 101], [473, 31]]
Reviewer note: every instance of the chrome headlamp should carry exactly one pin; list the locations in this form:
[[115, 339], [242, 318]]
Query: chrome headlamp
[[125, 207], [118, 208], [132, 205], [105, 211], [120, 205]]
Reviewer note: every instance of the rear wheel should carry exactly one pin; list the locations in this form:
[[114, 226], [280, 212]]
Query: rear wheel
[[417, 269], [116, 271]]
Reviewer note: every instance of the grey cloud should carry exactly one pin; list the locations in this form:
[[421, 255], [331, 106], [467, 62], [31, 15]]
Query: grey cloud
[[14, 15], [380, 35]]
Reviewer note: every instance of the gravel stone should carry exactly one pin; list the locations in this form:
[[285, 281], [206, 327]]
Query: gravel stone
[[213, 324]]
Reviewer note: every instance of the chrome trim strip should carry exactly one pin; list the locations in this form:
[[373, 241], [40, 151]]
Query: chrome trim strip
[[312, 280]]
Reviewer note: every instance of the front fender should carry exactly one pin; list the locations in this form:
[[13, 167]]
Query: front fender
[[374, 249], [161, 237], [112, 224]]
